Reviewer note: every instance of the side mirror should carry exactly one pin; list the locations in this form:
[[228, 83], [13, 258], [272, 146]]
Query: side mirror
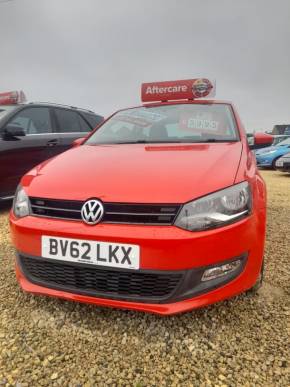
[[261, 140], [78, 142], [11, 131]]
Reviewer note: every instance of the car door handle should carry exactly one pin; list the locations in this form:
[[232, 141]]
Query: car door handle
[[53, 142]]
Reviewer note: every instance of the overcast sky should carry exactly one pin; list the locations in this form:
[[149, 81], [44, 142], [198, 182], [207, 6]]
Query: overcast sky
[[95, 53]]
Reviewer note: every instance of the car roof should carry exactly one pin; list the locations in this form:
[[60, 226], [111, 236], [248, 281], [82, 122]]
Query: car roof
[[177, 102], [52, 104], [187, 101]]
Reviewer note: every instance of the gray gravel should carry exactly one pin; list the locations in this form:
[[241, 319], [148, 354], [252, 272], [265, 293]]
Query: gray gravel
[[240, 342]]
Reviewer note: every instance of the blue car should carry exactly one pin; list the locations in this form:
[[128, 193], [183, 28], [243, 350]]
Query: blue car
[[267, 157]]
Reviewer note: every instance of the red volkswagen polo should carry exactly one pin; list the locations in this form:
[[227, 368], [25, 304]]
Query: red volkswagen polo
[[160, 209]]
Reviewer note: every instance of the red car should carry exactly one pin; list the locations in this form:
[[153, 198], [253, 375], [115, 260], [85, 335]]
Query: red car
[[160, 209]]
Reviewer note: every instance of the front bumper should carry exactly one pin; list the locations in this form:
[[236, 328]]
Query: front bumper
[[163, 249], [285, 167], [147, 286]]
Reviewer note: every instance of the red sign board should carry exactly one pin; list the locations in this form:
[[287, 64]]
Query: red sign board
[[175, 90], [12, 97]]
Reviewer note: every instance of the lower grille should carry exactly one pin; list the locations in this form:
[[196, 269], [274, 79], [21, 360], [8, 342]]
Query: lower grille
[[143, 286]]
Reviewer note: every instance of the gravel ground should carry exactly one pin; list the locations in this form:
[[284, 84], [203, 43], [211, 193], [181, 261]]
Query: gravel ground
[[240, 342]]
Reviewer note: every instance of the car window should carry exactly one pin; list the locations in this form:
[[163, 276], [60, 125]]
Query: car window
[[70, 121], [34, 120], [6, 109], [84, 125], [250, 138], [93, 119], [188, 123]]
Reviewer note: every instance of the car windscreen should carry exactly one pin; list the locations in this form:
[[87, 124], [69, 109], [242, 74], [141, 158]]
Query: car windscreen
[[186, 123], [285, 142], [278, 139]]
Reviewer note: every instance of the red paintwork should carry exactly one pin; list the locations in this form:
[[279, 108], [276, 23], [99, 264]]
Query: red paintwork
[[12, 97], [123, 163], [78, 142], [155, 174], [81, 140]]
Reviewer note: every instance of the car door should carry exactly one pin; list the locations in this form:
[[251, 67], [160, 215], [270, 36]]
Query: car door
[[70, 126], [19, 154]]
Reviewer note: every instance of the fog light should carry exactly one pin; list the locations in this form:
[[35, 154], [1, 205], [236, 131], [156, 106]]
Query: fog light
[[219, 271]]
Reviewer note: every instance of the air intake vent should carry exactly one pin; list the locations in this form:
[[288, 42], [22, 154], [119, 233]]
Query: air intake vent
[[144, 285]]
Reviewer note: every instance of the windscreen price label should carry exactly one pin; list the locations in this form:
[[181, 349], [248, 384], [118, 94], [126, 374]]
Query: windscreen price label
[[194, 123], [197, 123]]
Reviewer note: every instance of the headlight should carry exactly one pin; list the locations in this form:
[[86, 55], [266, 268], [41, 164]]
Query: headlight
[[216, 210], [21, 206]]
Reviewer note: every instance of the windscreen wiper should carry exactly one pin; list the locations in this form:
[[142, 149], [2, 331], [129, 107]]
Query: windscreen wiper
[[147, 142], [207, 140]]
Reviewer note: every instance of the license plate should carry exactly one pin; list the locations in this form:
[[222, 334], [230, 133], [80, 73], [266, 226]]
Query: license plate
[[91, 252], [279, 163]]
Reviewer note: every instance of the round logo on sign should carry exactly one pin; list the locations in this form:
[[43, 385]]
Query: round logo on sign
[[201, 87]]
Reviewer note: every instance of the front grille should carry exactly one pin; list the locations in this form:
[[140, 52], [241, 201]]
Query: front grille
[[163, 214], [143, 285]]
